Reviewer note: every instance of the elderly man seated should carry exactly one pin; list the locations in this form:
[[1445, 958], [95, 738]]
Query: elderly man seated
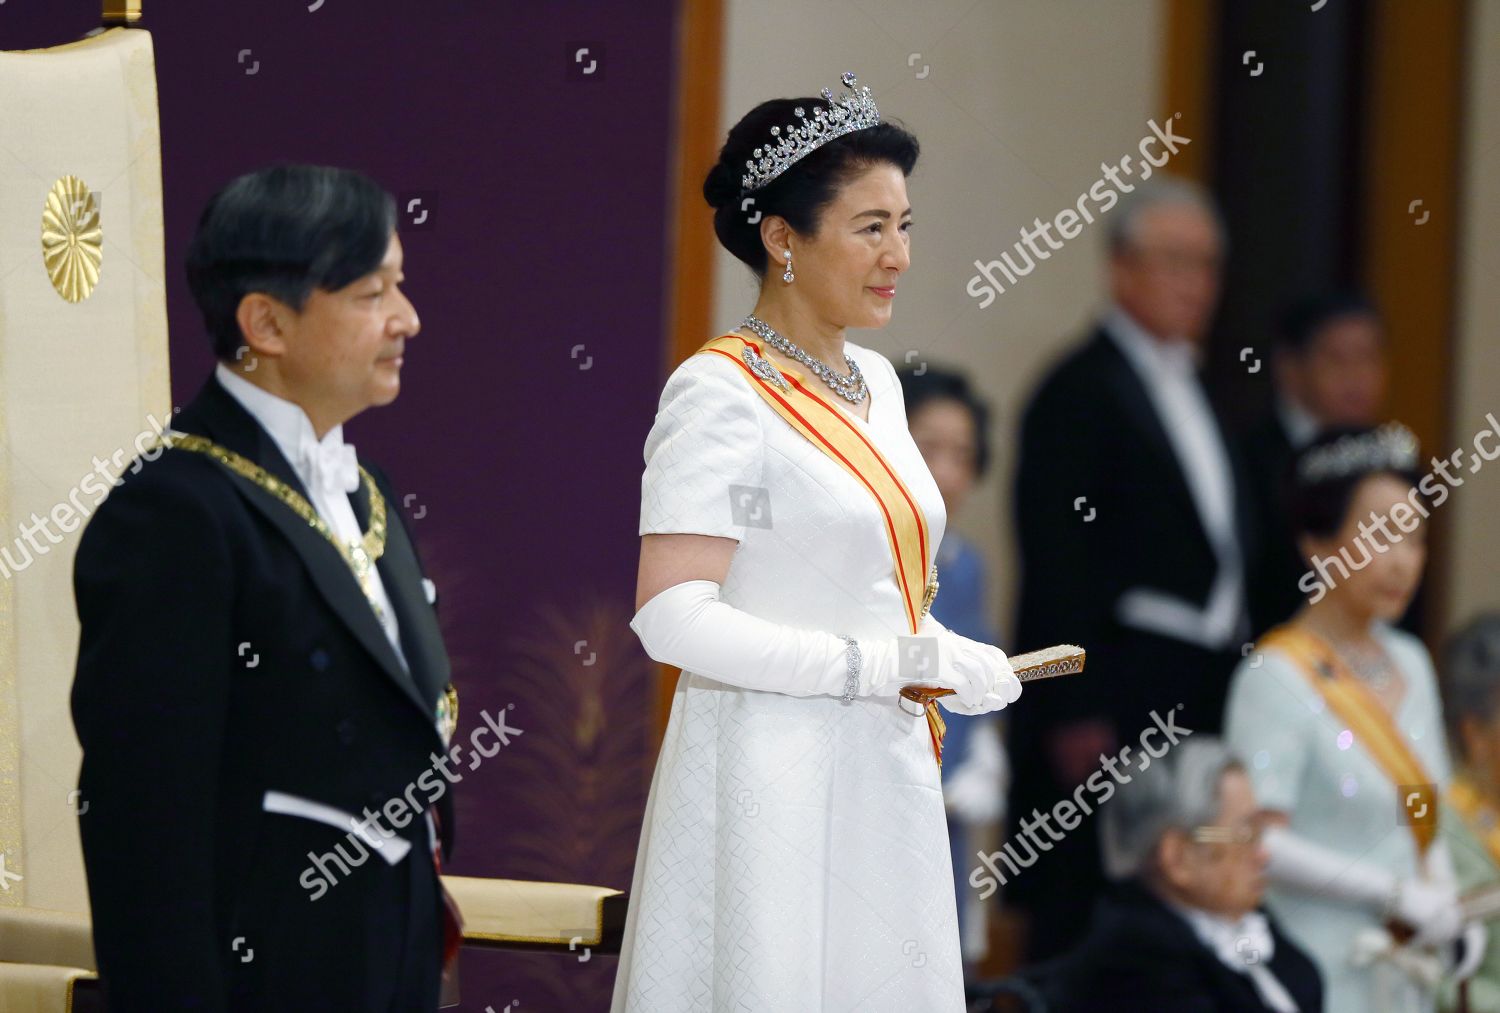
[[1181, 931]]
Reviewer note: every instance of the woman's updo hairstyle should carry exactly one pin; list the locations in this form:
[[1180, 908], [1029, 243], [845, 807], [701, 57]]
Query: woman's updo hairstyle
[[1323, 478], [801, 192]]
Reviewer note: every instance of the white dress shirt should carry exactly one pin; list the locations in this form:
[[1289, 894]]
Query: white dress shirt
[[293, 432], [1244, 945], [1299, 424], [1168, 370]]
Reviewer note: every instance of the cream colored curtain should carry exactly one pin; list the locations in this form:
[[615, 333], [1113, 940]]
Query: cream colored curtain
[[83, 374]]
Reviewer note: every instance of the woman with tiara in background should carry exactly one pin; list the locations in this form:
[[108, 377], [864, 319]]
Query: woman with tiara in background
[[1337, 717], [794, 853]]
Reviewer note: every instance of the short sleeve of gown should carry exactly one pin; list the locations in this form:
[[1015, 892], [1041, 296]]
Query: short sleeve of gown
[[1268, 723], [704, 453]]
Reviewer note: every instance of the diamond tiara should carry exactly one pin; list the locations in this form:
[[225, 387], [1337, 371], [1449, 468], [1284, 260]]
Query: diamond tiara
[[846, 114], [1392, 446]]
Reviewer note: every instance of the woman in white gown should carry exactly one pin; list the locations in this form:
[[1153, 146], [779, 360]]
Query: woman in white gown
[[794, 854], [1337, 717]]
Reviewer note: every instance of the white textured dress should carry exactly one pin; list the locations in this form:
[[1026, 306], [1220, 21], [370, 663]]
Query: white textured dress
[[794, 854]]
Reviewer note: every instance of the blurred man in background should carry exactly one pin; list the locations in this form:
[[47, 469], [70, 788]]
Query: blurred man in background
[[1182, 930], [1132, 523], [1328, 366]]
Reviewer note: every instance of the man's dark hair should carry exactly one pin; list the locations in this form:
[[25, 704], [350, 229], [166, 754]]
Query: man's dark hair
[[285, 231], [1302, 321]]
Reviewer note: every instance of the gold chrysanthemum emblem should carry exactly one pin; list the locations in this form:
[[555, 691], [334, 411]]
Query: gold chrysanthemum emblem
[[72, 239]]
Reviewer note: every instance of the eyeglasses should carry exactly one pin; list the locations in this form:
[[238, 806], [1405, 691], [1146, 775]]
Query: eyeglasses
[[1249, 833], [1179, 262]]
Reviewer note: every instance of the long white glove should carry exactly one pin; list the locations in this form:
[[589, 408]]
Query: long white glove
[[1475, 937], [688, 626], [1437, 862], [1006, 688], [1429, 907]]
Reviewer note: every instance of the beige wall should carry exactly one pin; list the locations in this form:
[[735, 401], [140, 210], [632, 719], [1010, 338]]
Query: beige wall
[[1475, 542], [1021, 102]]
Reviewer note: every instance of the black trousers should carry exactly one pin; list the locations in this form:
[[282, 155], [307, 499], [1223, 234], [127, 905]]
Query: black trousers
[[372, 941]]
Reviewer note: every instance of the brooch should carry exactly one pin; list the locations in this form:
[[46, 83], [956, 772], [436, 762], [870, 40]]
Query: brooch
[[761, 367], [930, 592]]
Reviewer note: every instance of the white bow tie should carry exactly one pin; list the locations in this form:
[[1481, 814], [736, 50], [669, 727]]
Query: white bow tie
[[1246, 946], [331, 468], [1241, 943]]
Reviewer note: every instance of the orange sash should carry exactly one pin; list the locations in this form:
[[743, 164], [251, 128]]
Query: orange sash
[[830, 429], [1372, 725]]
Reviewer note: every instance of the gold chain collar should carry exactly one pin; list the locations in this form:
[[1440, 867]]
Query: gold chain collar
[[360, 556]]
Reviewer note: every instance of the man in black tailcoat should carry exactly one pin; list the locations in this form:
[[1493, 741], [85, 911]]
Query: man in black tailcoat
[[1134, 532], [262, 692]]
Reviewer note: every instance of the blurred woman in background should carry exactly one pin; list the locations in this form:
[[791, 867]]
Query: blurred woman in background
[[950, 425], [1471, 678], [1336, 715]]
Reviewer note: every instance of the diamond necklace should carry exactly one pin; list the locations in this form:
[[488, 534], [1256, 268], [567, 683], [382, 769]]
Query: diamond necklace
[[1374, 666], [850, 388]]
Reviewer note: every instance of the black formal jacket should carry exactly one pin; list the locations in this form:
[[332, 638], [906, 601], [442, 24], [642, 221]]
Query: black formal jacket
[[1102, 506], [227, 650], [1268, 453], [1142, 957]]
